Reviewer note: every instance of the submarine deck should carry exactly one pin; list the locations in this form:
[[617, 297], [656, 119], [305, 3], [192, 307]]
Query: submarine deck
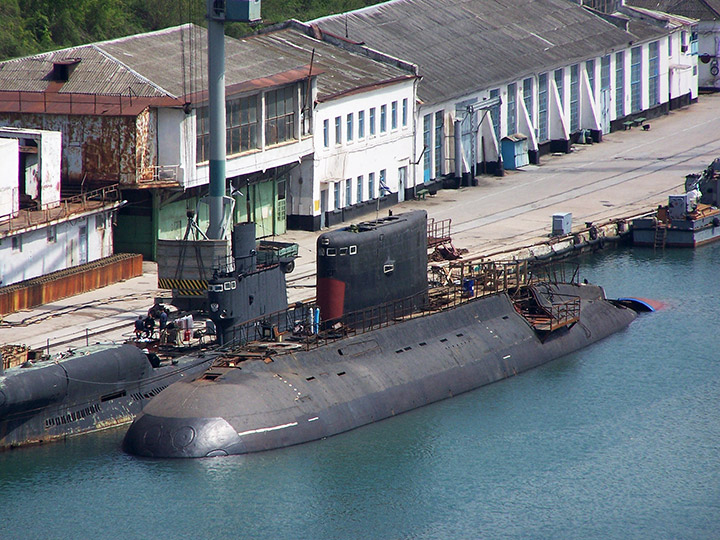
[[456, 283]]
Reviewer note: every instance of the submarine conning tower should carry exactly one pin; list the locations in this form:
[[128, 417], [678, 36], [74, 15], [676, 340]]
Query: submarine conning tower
[[247, 292], [243, 248], [372, 263]]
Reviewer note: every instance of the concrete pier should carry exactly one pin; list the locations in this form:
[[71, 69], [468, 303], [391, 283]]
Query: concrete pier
[[629, 174]]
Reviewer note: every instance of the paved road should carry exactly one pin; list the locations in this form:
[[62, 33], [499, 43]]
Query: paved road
[[629, 173]]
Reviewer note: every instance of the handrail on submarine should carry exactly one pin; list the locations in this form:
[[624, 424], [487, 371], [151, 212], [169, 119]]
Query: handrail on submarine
[[297, 326]]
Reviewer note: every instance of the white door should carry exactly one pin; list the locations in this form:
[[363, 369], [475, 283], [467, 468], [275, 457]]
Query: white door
[[323, 207], [605, 110]]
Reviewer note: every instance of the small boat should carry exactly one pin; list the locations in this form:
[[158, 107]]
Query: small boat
[[688, 220], [84, 390]]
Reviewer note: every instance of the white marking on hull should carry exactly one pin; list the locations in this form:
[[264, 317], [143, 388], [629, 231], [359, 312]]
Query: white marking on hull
[[263, 430]]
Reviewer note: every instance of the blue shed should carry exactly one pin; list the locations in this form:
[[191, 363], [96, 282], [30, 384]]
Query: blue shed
[[514, 149]]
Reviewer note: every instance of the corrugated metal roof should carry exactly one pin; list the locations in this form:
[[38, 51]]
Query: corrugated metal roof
[[173, 62], [343, 71], [703, 10], [461, 46], [672, 20], [95, 74]]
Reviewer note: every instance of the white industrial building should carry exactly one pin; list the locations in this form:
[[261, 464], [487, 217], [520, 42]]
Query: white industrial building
[[363, 148], [363, 125], [39, 232], [536, 75], [705, 37], [146, 126]]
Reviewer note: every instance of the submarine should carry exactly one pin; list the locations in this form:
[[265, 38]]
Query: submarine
[[376, 342], [84, 390], [106, 385]]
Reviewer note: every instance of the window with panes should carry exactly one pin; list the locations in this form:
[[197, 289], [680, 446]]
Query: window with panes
[[438, 143], [653, 73], [635, 79], [202, 129], [495, 114], [620, 84], [605, 72], [542, 134], [560, 83], [574, 99], [427, 155], [241, 125], [590, 70], [528, 96], [280, 115], [511, 108]]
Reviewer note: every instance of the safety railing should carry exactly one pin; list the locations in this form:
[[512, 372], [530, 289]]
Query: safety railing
[[62, 209], [300, 324], [438, 232], [560, 314]]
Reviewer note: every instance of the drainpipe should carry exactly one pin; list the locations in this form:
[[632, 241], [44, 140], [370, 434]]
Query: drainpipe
[[414, 139]]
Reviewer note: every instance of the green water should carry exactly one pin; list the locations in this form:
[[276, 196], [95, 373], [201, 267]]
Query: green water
[[621, 440]]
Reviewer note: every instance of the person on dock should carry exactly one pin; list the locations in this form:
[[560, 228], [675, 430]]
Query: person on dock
[[163, 325], [149, 326], [139, 327]]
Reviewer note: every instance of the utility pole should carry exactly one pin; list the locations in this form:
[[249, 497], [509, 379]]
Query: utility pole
[[219, 11], [216, 114]]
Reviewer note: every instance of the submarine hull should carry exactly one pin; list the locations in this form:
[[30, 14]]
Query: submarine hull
[[96, 388], [309, 395]]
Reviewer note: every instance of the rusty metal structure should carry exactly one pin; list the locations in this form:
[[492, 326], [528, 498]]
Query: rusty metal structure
[[69, 282], [28, 217], [13, 355]]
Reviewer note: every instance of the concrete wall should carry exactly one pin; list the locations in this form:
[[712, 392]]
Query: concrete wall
[[41, 170], [176, 142], [9, 163], [39, 250], [50, 161]]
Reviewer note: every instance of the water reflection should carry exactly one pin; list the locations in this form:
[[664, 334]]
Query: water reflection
[[618, 440]]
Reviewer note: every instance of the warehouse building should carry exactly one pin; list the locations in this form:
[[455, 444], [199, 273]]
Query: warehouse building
[[504, 82]]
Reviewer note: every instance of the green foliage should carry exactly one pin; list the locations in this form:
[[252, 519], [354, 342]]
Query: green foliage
[[31, 26]]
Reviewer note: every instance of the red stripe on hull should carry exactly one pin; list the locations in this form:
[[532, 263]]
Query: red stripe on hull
[[330, 297]]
